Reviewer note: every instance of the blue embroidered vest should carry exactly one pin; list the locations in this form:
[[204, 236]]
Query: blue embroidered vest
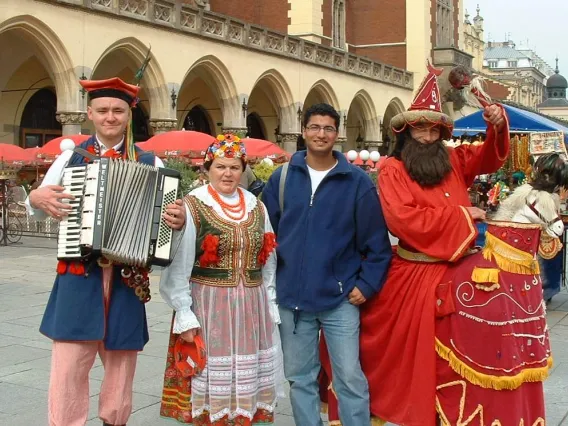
[[75, 310]]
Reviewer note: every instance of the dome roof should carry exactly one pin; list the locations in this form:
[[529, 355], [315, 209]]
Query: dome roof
[[556, 81]]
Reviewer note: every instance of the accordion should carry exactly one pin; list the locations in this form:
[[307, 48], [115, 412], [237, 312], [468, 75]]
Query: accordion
[[117, 213]]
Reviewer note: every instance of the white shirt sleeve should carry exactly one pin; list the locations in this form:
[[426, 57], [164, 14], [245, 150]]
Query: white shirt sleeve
[[53, 177], [269, 273], [158, 162], [175, 285]]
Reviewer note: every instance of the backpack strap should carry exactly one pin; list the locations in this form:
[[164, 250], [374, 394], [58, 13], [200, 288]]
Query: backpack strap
[[281, 186]]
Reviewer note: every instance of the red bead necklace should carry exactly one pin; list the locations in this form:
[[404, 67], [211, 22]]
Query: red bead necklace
[[233, 211]]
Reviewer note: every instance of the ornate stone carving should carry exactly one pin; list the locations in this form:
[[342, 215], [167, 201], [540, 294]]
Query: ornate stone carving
[[364, 67], [135, 7], [71, 117], [289, 142], [202, 3], [293, 47], [309, 52], [275, 42], [163, 125], [163, 13], [194, 16], [377, 70], [324, 56], [236, 33], [352, 64], [290, 137], [102, 3], [188, 20], [397, 76], [255, 37], [212, 26]]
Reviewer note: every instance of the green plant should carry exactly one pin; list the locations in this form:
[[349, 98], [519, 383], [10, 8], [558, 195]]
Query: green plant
[[263, 171], [188, 174], [373, 177]]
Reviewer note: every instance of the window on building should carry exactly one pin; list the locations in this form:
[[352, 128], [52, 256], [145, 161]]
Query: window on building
[[492, 64], [38, 124], [444, 23], [338, 21], [197, 120], [512, 64]]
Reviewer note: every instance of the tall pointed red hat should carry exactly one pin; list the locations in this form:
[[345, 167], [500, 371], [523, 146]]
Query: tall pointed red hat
[[426, 108]]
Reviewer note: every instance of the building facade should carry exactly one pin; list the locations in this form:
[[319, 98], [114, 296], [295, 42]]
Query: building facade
[[252, 65], [519, 70], [556, 104]]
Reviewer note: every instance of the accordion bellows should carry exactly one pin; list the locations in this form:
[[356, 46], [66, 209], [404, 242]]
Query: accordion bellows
[[117, 212]]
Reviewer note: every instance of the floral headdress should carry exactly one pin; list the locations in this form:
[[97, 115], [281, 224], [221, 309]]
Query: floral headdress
[[226, 146]]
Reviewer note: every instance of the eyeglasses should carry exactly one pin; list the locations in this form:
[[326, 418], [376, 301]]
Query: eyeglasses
[[314, 128]]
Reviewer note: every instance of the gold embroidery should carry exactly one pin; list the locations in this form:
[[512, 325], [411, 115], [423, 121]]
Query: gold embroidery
[[239, 246], [416, 257], [469, 238], [477, 413]]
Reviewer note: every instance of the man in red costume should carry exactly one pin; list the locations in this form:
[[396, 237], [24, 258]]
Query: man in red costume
[[423, 191]]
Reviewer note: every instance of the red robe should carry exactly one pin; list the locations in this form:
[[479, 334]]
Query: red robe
[[398, 326]]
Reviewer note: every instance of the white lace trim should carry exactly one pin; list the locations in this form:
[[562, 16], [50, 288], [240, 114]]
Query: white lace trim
[[239, 412], [203, 195], [185, 320]]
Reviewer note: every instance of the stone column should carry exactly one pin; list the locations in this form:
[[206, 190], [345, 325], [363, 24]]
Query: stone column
[[289, 142], [241, 132], [162, 125], [373, 145], [71, 121], [340, 143]]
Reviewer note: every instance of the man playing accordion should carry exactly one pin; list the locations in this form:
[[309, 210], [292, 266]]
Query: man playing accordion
[[96, 307]]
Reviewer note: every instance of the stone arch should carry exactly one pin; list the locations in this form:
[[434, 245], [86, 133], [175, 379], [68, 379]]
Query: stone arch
[[272, 100], [153, 83], [321, 91], [362, 124], [394, 107], [214, 73], [53, 54]]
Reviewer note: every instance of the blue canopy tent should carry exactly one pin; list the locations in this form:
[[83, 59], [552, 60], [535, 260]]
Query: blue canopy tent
[[520, 121]]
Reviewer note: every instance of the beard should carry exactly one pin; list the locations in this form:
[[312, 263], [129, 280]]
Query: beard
[[427, 164]]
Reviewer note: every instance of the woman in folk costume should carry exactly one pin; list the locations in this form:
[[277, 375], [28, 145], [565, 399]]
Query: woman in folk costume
[[221, 285]]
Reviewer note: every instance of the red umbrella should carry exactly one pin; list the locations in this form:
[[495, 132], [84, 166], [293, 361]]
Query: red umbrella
[[178, 143], [52, 149], [12, 153], [31, 155], [259, 148]]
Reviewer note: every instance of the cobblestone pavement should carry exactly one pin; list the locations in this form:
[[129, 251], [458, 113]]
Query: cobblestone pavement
[[26, 277]]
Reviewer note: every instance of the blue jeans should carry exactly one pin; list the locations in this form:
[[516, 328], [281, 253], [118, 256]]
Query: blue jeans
[[300, 342]]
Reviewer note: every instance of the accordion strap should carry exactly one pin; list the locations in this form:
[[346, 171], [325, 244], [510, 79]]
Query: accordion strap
[[85, 153]]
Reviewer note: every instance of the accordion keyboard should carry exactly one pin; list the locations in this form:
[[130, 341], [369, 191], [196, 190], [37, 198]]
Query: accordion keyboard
[[68, 244]]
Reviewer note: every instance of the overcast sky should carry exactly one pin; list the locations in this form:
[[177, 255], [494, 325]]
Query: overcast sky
[[541, 25]]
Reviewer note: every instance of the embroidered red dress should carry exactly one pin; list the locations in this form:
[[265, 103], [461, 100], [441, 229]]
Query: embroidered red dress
[[231, 298], [492, 338], [398, 325]]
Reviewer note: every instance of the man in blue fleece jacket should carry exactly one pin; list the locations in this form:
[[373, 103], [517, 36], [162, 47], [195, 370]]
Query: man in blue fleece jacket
[[333, 254]]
